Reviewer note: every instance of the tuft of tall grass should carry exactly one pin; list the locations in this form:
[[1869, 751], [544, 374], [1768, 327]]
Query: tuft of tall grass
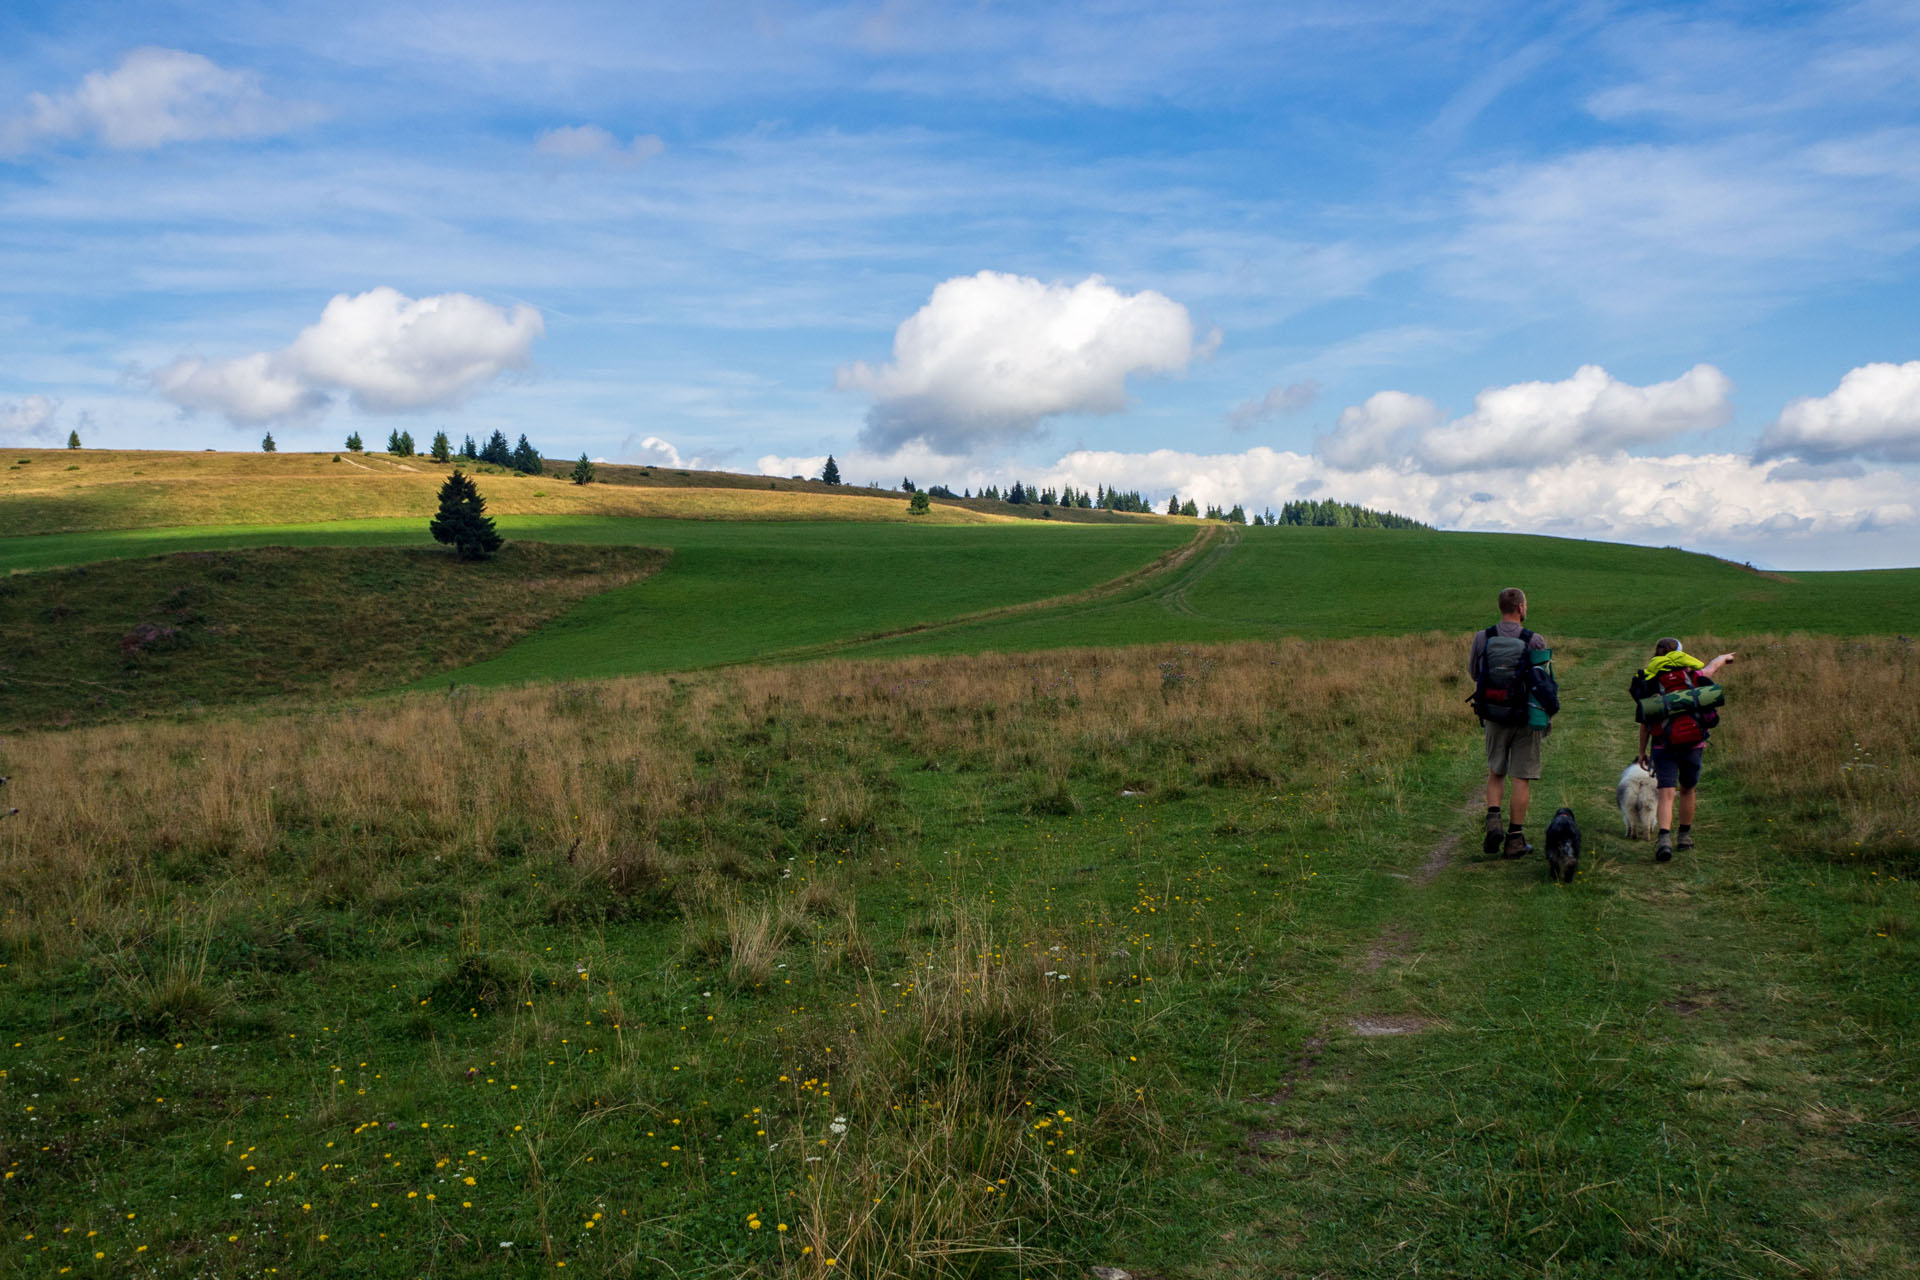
[[1825, 728]]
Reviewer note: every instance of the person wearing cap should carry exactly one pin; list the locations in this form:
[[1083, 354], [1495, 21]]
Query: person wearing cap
[[1675, 765]]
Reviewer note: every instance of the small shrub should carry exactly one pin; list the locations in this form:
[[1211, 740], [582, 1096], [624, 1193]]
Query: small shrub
[[478, 981]]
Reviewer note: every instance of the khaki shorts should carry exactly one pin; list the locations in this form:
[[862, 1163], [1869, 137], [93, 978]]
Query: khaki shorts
[[1513, 752]]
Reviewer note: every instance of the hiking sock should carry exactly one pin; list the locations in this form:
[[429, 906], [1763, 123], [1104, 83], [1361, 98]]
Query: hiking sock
[[1663, 848]]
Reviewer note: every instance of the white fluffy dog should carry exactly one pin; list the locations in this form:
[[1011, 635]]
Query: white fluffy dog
[[1639, 801]]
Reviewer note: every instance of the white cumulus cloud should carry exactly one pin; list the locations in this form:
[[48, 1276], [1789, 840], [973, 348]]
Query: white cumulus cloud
[[1873, 413], [591, 142], [992, 355], [652, 451], [1530, 423], [1380, 429], [1724, 501], [154, 97], [28, 420], [384, 351]]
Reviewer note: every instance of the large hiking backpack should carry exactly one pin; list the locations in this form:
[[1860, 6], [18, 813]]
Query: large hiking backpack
[[1516, 685], [1680, 704]]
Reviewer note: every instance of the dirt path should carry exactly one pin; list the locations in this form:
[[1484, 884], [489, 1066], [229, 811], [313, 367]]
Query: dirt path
[[1653, 1071], [1174, 597]]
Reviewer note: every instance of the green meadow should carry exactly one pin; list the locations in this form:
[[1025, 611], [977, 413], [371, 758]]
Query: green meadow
[[820, 900]]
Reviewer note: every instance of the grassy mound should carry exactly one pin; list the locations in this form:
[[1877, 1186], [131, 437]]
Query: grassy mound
[[127, 637]]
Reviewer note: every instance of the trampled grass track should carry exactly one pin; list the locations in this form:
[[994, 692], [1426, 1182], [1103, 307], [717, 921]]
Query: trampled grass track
[[1166, 578]]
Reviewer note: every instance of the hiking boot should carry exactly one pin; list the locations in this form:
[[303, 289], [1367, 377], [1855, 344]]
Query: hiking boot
[[1663, 851], [1517, 846], [1683, 841], [1496, 831]]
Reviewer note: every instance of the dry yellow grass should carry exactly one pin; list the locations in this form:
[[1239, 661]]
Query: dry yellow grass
[[1829, 725], [593, 772], [64, 491]]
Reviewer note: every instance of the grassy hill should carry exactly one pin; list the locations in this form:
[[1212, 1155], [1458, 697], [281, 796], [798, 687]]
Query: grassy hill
[[744, 590], [310, 601], [58, 490], [162, 633], [1142, 951], [1358, 582]]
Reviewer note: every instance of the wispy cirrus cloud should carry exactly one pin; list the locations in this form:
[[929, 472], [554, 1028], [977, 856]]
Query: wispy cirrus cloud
[[28, 420], [154, 97], [1279, 402], [591, 142]]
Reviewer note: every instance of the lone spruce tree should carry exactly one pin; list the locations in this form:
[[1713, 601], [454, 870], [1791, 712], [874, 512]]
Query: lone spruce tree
[[583, 470], [462, 521], [830, 474], [267, 445], [526, 459], [73, 439]]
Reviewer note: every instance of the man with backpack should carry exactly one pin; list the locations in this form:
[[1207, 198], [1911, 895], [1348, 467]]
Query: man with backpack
[[1514, 695], [1678, 739]]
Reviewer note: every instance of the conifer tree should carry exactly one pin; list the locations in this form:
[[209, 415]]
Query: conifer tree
[[918, 505], [73, 439], [267, 445], [354, 443], [405, 444], [462, 521], [497, 451], [830, 474], [393, 442], [469, 451], [442, 447], [583, 470], [526, 458]]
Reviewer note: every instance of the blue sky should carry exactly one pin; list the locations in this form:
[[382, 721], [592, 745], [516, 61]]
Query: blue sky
[[1630, 272]]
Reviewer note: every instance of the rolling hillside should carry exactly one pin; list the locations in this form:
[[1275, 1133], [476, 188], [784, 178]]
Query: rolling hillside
[[61, 491]]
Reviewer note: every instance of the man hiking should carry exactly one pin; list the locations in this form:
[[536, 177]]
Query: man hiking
[[1514, 695], [1678, 741]]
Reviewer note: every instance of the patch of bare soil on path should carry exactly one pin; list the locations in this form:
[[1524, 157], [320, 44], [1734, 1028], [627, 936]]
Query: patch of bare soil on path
[[1438, 859], [1398, 1025], [1390, 945]]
